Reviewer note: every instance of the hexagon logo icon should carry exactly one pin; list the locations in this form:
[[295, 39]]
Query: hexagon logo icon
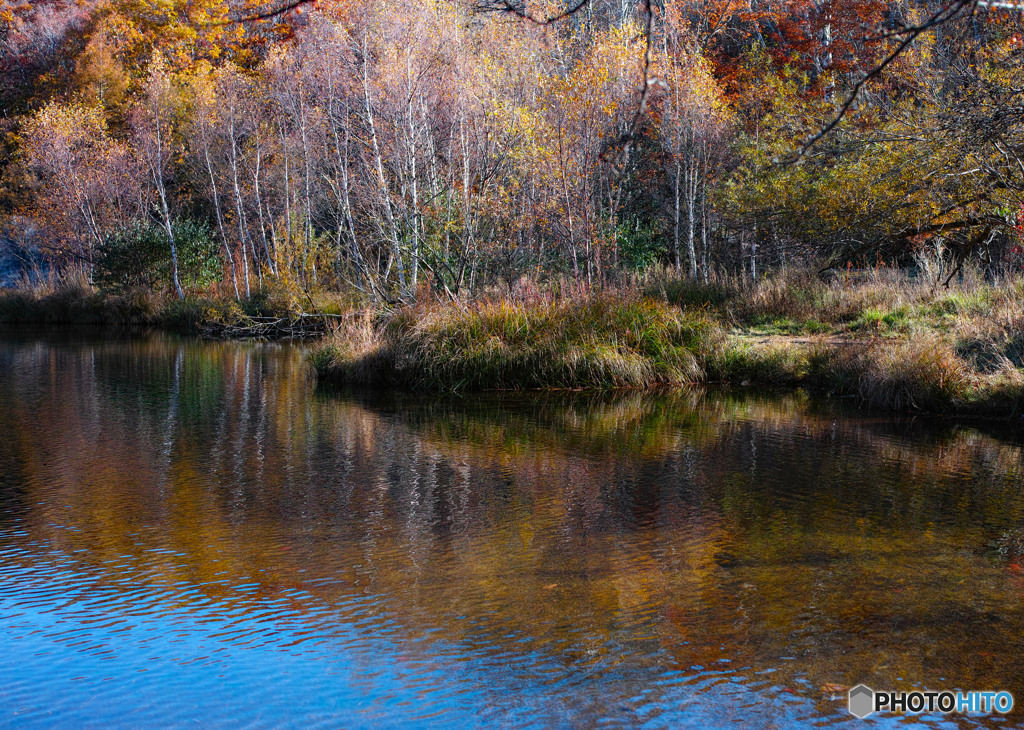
[[862, 701]]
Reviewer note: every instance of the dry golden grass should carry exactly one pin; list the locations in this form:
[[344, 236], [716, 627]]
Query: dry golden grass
[[597, 341], [921, 374], [893, 342]]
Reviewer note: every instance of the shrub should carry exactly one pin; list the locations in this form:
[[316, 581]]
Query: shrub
[[199, 263], [640, 246], [131, 258], [139, 257]]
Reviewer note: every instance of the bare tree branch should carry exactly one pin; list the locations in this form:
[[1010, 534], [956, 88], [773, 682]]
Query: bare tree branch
[[518, 8], [271, 11], [945, 14]]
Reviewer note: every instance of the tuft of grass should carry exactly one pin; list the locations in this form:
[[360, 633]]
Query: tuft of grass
[[355, 353], [745, 363], [691, 293], [600, 341], [877, 319], [14, 303], [786, 326], [924, 374], [185, 315], [977, 301]]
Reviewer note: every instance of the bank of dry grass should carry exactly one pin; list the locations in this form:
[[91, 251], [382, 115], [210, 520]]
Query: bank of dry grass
[[893, 341], [72, 302], [880, 301], [596, 341], [890, 341], [922, 374], [269, 312]]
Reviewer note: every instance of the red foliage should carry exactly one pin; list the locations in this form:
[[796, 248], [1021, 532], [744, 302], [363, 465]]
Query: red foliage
[[35, 43]]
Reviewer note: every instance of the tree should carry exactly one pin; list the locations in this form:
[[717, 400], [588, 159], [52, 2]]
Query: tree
[[153, 127], [693, 119], [84, 181]]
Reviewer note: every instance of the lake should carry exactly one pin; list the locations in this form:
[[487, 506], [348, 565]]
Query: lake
[[192, 533]]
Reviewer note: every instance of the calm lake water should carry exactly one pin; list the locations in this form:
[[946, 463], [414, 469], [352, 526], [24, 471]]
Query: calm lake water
[[193, 534]]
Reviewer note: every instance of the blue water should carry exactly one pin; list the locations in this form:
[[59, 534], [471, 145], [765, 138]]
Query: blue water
[[192, 534]]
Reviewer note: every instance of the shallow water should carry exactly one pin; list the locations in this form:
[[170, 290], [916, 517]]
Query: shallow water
[[193, 534]]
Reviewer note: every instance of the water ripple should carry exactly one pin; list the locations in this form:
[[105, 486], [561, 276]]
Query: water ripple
[[190, 534]]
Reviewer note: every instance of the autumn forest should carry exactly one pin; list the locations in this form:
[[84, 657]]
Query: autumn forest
[[342, 144], [520, 195]]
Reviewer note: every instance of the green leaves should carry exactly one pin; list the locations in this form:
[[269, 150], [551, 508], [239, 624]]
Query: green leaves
[[139, 257], [640, 246]]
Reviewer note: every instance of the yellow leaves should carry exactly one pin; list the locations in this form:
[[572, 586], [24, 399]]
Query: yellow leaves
[[202, 87], [67, 149], [100, 76], [185, 31], [72, 124]]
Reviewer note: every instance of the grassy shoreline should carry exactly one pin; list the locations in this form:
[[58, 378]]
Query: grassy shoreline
[[599, 341], [264, 315], [889, 341], [469, 350]]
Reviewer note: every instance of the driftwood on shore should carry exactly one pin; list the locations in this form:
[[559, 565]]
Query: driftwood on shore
[[296, 326]]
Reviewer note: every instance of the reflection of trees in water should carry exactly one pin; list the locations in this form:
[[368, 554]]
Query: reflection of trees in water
[[596, 528]]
